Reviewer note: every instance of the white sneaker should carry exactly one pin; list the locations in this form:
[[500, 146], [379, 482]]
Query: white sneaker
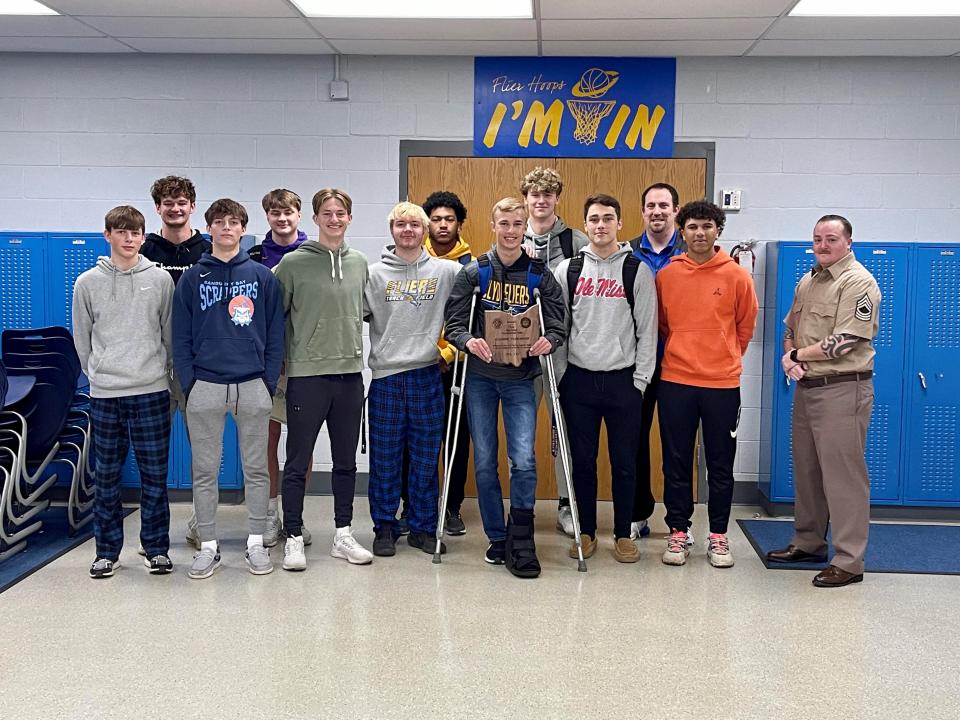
[[690, 539], [293, 556], [639, 529], [677, 550], [272, 534], [718, 551], [565, 520], [346, 547]]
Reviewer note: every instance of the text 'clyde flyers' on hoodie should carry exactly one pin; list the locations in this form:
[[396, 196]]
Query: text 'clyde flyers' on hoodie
[[403, 303], [707, 317], [227, 323]]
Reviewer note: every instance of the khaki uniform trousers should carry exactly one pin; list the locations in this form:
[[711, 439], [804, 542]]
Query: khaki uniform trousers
[[830, 471]]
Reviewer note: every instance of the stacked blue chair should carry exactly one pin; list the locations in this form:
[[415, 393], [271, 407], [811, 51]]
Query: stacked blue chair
[[49, 355]]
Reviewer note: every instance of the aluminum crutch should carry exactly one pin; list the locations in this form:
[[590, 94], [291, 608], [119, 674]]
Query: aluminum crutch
[[562, 440], [453, 428]]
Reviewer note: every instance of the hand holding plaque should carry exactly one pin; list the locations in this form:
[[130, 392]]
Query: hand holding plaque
[[510, 336]]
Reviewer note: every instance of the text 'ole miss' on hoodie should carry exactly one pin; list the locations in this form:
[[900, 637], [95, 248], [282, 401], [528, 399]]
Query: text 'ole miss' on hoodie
[[404, 304], [707, 316], [227, 323]]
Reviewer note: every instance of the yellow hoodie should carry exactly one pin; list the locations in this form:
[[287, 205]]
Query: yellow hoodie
[[459, 251]]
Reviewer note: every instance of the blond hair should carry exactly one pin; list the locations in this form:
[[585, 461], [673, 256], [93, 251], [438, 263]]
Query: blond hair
[[508, 205], [408, 210]]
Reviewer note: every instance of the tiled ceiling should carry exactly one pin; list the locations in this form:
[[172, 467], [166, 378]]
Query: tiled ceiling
[[560, 27]]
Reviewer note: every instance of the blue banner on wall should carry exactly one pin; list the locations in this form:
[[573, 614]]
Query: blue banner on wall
[[573, 106]]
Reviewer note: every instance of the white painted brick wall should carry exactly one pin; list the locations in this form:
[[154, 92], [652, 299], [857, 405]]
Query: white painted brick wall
[[877, 139]]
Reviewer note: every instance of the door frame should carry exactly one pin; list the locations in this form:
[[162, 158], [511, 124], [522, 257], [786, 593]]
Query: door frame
[[698, 150]]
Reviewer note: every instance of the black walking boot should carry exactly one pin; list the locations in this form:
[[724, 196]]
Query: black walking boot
[[521, 550]]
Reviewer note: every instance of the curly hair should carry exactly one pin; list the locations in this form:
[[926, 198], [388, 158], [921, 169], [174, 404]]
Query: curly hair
[[444, 198], [542, 179], [702, 210], [172, 186]]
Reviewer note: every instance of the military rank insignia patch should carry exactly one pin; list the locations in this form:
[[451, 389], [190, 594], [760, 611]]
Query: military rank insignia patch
[[864, 308]]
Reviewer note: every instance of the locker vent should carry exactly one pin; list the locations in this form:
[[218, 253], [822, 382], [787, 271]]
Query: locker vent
[[75, 262], [938, 466], [16, 308], [943, 330]]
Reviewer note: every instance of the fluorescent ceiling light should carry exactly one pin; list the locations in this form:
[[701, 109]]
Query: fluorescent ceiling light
[[877, 8], [25, 7], [444, 9]]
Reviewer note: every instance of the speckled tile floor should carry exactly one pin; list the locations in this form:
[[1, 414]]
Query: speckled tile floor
[[404, 638]]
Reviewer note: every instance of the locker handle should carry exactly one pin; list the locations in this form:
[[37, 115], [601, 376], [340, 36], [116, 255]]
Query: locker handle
[[923, 380]]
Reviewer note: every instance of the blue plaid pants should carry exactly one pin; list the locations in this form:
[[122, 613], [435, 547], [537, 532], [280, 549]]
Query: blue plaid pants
[[144, 422], [405, 410]]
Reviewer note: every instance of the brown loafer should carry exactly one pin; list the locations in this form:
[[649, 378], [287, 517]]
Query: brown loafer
[[589, 547], [792, 554], [626, 551], [835, 577]]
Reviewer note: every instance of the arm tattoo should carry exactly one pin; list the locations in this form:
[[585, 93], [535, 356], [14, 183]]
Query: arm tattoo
[[788, 335], [834, 346]]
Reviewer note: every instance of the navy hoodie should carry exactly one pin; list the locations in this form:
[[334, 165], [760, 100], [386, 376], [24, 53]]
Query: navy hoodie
[[227, 323]]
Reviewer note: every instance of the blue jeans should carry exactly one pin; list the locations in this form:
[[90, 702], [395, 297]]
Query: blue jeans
[[483, 397]]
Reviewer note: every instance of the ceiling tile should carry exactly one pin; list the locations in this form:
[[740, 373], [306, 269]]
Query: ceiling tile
[[700, 29], [576, 9], [203, 27], [406, 29], [62, 45], [436, 47], [642, 48], [846, 28], [252, 46], [827, 48], [44, 26], [175, 8]]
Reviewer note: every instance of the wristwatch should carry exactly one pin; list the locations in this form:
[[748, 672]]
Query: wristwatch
[[793, 356]]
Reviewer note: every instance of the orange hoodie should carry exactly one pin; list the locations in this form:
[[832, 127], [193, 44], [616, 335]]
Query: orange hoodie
[[707, 316]]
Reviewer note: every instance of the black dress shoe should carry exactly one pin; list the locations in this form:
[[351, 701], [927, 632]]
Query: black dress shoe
[[835, 577], [792, 554]]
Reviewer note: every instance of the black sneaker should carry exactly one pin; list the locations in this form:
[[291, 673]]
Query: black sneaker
[[103, 568], [427, 543], [496, 553], [159, 564], [453, 525], [403, 527], [385, 543]]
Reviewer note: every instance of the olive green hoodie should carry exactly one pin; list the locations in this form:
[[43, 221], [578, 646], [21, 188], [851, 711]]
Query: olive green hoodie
[[323, 302]]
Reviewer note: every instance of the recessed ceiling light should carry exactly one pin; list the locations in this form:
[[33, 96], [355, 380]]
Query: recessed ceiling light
[[877, 8], [445, 9], [25, 7]]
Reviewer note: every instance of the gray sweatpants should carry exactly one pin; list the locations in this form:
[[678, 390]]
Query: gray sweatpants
[[207, 407]]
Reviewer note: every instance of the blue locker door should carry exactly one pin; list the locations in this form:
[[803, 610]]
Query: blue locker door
[[23, 292], [888, 262], [932, 473], [68, 255]]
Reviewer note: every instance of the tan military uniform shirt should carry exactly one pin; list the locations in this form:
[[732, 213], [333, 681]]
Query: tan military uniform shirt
[[843, 298]]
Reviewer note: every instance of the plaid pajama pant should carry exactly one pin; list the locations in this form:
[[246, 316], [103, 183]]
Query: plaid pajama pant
[[144, 422], [405, 409]]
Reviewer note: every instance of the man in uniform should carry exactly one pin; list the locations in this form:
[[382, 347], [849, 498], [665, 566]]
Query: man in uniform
[[828, 351]]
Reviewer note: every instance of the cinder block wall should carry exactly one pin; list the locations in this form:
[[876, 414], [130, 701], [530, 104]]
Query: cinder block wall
[[877, 139]]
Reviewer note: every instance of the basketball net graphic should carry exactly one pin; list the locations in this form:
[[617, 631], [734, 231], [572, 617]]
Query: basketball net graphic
[[594, 83]]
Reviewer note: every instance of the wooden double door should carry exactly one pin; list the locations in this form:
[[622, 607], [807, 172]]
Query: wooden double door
[[481, 182]]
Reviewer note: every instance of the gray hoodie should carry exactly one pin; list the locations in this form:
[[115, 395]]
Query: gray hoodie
[[547, 247], [403, 302], [121, 328], [603, 336]]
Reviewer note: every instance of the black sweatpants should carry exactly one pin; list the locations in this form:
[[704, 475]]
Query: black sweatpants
[[587, 397], [458, 473], [682, 409], [311, 401], [643, 500]]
